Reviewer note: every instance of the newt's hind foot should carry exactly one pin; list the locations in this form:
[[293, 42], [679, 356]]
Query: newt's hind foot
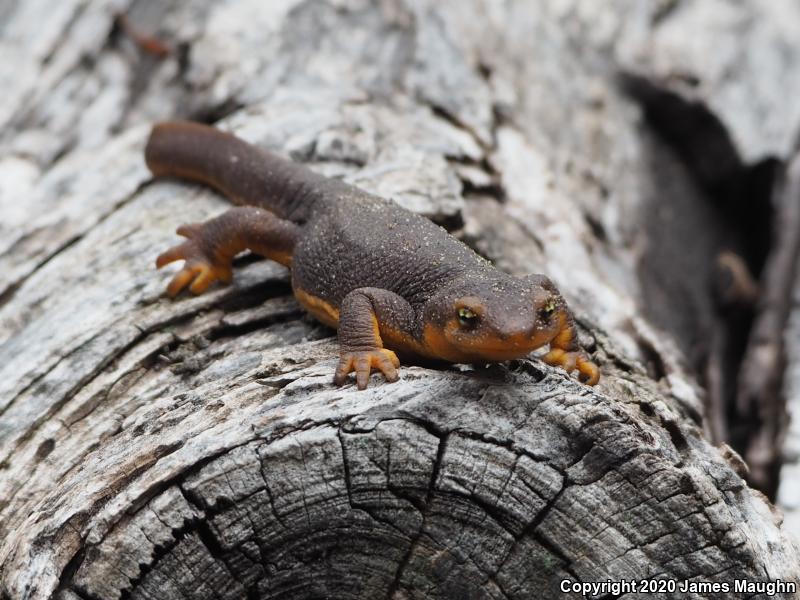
[[363, 361], [203, 266], [211, 246], [569, 361]]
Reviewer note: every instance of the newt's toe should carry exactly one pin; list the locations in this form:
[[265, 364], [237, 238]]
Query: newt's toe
[[200, 269], [589, 372], [569, 361], [175, 253], [198, 276], [181, 279], [362, 362], [561, 358]]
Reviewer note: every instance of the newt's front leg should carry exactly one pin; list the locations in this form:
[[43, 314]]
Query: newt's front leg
[[211, 246], [364, 313]]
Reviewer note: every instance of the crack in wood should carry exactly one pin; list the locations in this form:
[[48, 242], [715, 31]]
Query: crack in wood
[[394, 586]]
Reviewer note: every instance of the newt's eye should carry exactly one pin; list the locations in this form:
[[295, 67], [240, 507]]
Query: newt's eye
[[547, 309], [467, 317]]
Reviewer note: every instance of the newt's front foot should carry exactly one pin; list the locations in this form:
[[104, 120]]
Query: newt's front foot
[[569, 361], [203, 266], [363, 361]]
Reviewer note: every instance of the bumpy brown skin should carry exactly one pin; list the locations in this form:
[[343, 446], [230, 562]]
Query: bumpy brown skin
[[388, 279]]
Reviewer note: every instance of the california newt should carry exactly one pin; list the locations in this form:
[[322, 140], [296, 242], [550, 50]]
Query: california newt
[[389, 280]]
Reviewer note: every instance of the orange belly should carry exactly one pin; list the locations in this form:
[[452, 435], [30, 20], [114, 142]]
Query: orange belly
[[321, 309]]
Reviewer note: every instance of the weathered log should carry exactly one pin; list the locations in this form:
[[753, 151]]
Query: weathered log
[[159, 449]]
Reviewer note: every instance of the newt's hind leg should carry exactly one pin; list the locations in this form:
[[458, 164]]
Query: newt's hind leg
[[211, 246]]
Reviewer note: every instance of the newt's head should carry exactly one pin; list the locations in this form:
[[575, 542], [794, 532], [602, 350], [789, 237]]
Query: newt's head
[[493, 318]]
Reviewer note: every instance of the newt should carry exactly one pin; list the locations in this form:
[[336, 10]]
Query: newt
[[391, 281]]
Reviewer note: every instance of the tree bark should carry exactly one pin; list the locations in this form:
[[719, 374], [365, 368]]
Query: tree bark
[[197, 448]]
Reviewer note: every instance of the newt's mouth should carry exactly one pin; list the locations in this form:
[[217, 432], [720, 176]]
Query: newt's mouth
[[517, 343], [456, 346], [497, 352]]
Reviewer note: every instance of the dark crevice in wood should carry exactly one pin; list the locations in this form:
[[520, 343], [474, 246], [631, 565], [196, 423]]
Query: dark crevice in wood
[[744, 202], [211, 543], [83, 594], [360, 506], [159, 552], [530, 528], [653, 361], [128, 378], [507, 443], [454, 120], [183, 53], [451, 222], [676, 435], [530, 367], [65, 579], [44, 449], [597, 227], [493, 189], [9, 292], [696, 133], [212, 114], [256, 295], [484, 164], [760, 401], [533, 531], [233, 331]]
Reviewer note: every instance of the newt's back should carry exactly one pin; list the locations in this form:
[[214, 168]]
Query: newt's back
[[359, 240]]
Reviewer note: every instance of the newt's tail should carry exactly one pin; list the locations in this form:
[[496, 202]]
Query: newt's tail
[[244, 173]]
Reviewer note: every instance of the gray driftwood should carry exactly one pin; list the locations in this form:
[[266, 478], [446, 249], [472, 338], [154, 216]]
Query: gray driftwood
[[197, 449]]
